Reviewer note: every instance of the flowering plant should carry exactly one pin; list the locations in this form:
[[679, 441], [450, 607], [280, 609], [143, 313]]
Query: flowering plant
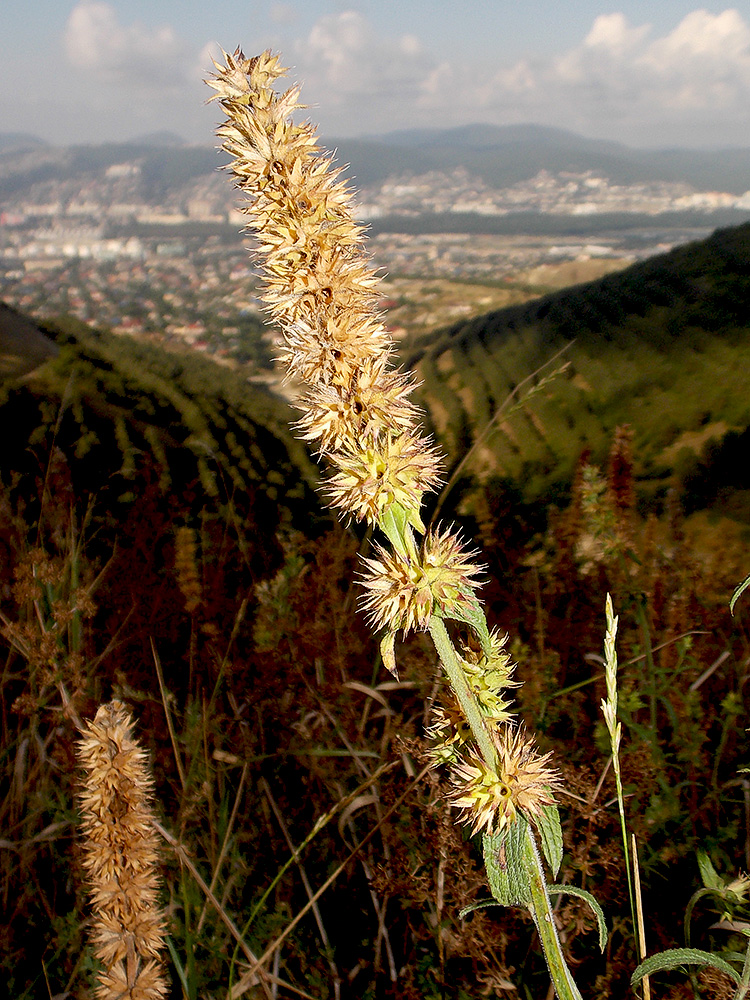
[[357, 412]]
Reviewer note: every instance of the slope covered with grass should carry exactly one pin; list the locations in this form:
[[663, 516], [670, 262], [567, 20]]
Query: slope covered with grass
[[116, 408], [663, 346]]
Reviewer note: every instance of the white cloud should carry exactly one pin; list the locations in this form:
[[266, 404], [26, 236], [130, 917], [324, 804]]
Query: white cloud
[[704, 64], [98, 44], [624, 80], [611, 32], [684, 86], [345, 65]]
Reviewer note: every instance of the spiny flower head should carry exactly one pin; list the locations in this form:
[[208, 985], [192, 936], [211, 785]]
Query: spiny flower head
[[318, 285], [374, 475], [490, 797], [489, 676], [246, 80], [403, 592], [332, 350], [120, 855], [373, 403], [448, 733], [331, 275]]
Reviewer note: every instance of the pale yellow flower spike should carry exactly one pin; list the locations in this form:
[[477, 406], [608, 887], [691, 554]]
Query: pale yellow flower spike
[[319, 289], [357, 411]]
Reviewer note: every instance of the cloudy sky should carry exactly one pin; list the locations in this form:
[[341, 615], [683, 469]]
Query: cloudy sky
[[646, 74]]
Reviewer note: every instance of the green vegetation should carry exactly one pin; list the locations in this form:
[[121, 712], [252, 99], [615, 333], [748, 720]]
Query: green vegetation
[[160, 541], [118, 408], [663, 346]]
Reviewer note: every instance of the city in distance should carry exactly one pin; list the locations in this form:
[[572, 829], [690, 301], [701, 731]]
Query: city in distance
[[145, 237]]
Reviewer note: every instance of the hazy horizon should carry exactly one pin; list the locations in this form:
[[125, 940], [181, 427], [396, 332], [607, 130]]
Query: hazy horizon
[[165, 138], [91, 71]]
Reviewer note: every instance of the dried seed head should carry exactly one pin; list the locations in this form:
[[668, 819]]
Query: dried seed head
[[374, 402], [120, 857], [489, 797], [319, 287], [394, 469], [403, 592]]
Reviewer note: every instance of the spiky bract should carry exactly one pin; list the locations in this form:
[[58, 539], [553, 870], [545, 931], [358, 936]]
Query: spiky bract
[[404, 591], [488, 798]]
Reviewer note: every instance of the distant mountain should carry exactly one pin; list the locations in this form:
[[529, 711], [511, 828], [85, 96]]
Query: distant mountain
[[505, 155], [159, 140], [663, 346], [498, 155], [476, 136], [19, 142], [164, 164]]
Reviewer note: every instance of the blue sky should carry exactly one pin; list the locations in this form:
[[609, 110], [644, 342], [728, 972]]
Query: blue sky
[[672, 73]]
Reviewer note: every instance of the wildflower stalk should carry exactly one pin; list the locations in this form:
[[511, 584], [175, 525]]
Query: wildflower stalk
[[461, 689], [120, 858], [356, 409], [541, 911], [614, 728]]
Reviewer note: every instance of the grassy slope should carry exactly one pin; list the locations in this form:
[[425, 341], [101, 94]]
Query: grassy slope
[[115, 406], [663, 346]]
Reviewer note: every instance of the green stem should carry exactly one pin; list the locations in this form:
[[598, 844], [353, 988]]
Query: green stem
[[624, 835], [541, 911], [539, 904], [461, 689]]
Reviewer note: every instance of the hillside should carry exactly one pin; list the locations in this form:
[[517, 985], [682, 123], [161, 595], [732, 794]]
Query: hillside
[[499, 155], [122, 414], [23, 345], [663, 346]]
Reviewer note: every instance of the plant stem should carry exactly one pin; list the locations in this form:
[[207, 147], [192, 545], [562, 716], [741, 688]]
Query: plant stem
[[541, 911], [461, 689], [539, 905]]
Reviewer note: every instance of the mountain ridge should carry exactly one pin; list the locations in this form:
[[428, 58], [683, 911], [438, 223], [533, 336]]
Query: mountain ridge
[[501, 155]]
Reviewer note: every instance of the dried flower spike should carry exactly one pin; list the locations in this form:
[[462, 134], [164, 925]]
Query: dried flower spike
[[120, 858]]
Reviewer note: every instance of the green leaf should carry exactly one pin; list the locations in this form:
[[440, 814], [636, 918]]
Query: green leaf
[[572, 890], [675, 958], [471, 613], [550, 832], [504, 861], [393, 523], [482, 904], [742, 587], [388, 653], [709, 876]]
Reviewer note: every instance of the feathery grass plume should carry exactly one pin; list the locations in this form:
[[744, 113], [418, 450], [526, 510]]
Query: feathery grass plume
[[120, 858], [319, 289]]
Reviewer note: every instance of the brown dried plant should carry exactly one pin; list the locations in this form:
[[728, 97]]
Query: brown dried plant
[[120, 858]]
